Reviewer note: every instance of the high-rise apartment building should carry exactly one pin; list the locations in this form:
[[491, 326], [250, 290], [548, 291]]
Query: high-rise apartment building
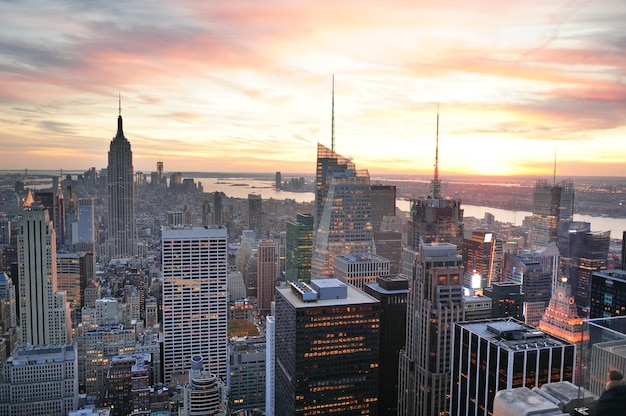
[[44, 317], [495, 355], [327, 349], [267, 272], [121, 190], [392, 294], [328, 163], [195, 301], [345, 225], [434, 305], [299, 248], [551, 204]]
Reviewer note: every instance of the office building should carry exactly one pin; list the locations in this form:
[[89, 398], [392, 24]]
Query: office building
[[434, 305], [608, 294], [388, 244], [383, 204], [495, 355], [121, 191], [392, 294], [583, 253], [255, 214], [359, 269], [84, 230], [327, 349], [69, 280], [476, 307], [345, 225], [8, 317], [44, 317], [128, 383], [328, 163], [267, 272], [204, 392], [478, 253], [194, 297], [246, 373], [507, 300], [270, 364], [551, 204], [40, 380], [53, 203], [299, 248]]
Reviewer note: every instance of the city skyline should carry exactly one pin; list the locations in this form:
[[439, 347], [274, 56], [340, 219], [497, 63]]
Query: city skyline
[[246, 86]]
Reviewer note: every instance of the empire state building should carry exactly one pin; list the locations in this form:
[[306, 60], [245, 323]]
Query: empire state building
[[121, 187]]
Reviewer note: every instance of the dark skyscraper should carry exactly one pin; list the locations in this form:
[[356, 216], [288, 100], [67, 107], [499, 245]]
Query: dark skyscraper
[[255, 214], [551, 204], [383, 203], [121, 187]]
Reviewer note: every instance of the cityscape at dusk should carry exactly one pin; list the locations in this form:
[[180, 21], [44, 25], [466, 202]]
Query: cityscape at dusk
[[246, 86]]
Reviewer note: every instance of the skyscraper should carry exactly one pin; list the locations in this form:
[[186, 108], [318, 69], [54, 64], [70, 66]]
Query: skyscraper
[[44, 317], [327, 340], [383, 203], [328, 163], [495, 355], [345, 225], [255, 214], [608, 294], [267, 272], [195, 301], [434, 305], [121, 189], [299, 248], [551, 204]]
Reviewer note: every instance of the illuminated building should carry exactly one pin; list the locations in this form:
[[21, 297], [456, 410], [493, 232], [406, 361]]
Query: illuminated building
[[359, 269], [204, 391], [345, 225], [246, 373], [267, 272], [128, 382], [327, 349], [494, 355], [507, 300], [583, 253], [44, 317], [121, 190], [70, 281], [328, 163], [608, 294], [551, 204], [195, 300], [299, 248], [434, 305], [392, 294], [479, 259], [40, 380]]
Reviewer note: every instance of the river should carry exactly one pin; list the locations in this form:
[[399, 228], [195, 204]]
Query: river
[[241, 187]]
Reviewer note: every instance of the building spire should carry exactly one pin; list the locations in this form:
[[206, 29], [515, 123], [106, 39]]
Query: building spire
[[120, 131], [436, 183], [120, 103], [332, 126], [554, 172]]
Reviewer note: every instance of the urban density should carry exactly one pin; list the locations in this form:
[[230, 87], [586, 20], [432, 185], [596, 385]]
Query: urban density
[[132, 293]]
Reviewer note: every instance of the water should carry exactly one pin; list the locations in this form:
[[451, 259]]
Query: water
[[242, 187], [616, 225]]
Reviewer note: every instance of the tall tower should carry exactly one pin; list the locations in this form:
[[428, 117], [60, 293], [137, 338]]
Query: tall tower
[[267, 272], [327, 340], [345, 225], [328, 163], [434, 305], [551, 204], [299, 248], [44, 317], [195, 302], [435, 218], [255, 214], [121, 188]]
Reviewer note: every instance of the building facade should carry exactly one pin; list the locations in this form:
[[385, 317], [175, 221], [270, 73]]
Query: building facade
[[551, 204], [359, 269], [327, 349], [299, 248], [267, 273], [194, 297]]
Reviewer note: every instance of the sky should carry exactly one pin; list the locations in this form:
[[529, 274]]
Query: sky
[[246, 85]]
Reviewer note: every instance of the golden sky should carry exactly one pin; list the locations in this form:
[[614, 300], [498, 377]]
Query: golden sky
[[245, 85]]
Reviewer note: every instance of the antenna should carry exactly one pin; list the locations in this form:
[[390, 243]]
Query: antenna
[[332, 127], [554, 174], [436, 185], [120, 102]]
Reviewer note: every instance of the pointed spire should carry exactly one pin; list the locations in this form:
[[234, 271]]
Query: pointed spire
[[120, 131], [436, 184], [332, 127]]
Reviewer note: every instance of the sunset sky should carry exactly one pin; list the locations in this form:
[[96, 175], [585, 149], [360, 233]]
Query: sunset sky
[[245, 85]]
